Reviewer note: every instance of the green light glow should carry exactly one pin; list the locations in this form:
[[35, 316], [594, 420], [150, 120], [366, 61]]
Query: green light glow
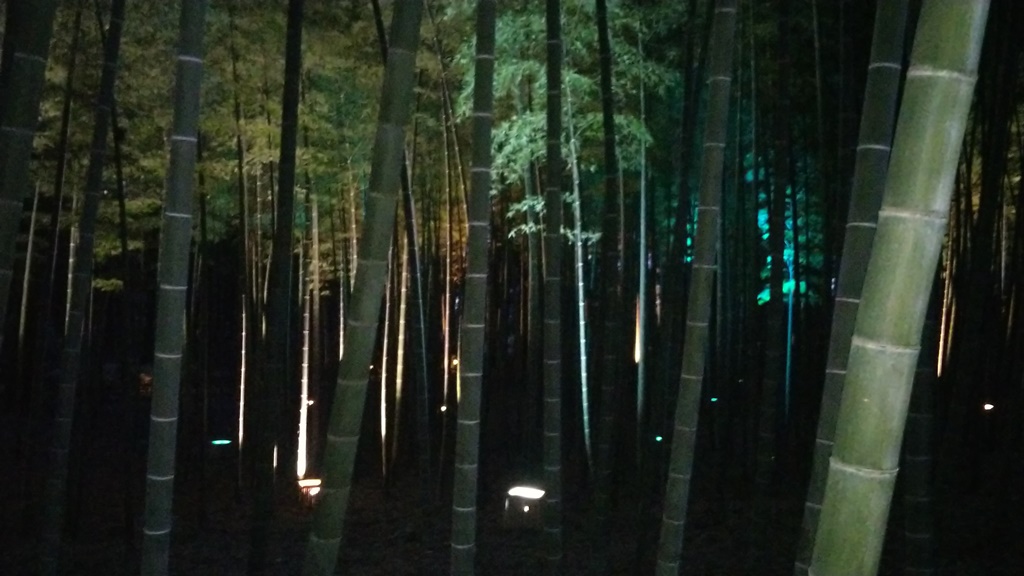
[[658, 438], [220, 442], [714, 399]]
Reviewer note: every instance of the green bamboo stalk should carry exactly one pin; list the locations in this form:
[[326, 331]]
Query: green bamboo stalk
[[684, 437], [471, 357], [887, 333], [876, 126], [19, 113], [552, 336], [345, 420], [175, 241]]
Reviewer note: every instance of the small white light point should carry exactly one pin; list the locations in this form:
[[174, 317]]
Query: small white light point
[[526, 492], [987, 407], [444, 408], [526, 508]]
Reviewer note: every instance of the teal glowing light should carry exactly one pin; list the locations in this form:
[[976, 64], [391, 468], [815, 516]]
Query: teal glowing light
[[658, 438], [220, 442], [714, 398]]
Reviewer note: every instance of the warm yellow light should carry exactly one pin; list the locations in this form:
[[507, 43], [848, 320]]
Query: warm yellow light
[[309, 486], [455, 361]]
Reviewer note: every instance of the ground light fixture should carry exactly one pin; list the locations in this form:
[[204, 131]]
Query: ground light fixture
[[523, 507], [309, 487]]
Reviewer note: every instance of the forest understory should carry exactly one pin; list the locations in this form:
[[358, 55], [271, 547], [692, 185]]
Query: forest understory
[[381, 535]]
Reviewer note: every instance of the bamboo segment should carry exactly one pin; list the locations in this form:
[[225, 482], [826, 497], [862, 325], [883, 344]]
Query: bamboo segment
[[887, 334], [684, 437], [883, 82], [175, 241], [467, 441], [552, 296], [345, 420]]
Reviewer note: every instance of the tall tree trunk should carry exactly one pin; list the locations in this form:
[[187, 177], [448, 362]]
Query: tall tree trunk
[[877, 118], [276, 401], [553, 296], [26, 279], [420, 376], [79, 291], [315, 338], [532, 420], [401, 329], [345, 420], [419, 300], [580, 279], [887, 334], [246, 293], [684, 437], [608, 307], [26, 47], [467, 442], [677, 269], [175, 237], [45, 335]]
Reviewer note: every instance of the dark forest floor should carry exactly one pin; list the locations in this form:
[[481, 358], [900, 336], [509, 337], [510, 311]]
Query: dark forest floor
[[984, 537]]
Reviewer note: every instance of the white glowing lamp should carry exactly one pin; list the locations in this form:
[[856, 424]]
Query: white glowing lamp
[[526, 492], [987, 407], [310, 486], [523, 506]]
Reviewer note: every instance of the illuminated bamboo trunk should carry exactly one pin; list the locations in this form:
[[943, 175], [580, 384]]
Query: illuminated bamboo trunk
[[175, 239], [887, 334], [698, 310], [473, 334], [345, 420], [877, 118], [552, 446]]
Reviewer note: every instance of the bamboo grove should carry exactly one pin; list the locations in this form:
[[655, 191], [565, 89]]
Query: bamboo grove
[[297, 286]]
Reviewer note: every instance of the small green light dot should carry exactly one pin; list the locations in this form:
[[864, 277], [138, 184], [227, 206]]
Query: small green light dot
[[657, 438], [714, 399], [220, 442]]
